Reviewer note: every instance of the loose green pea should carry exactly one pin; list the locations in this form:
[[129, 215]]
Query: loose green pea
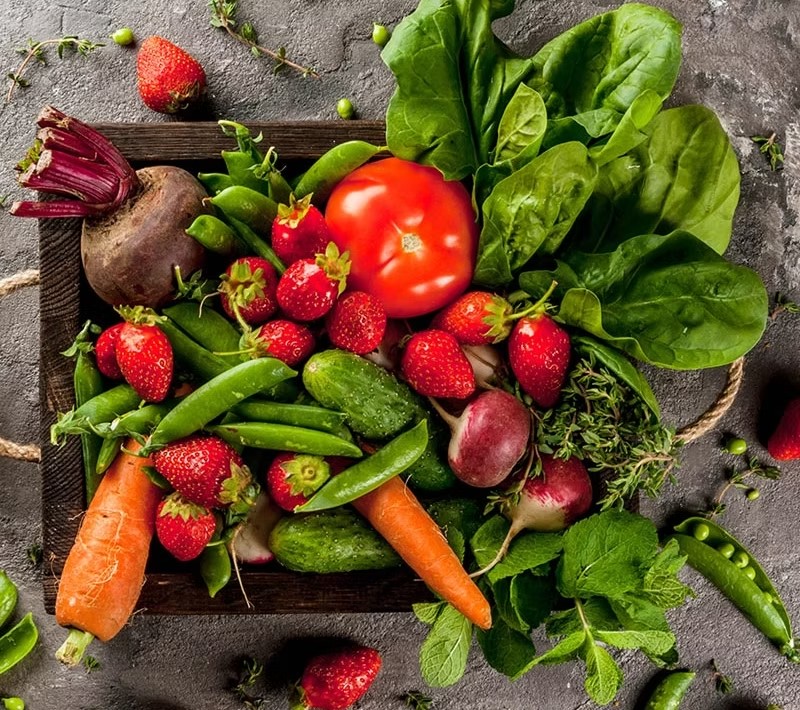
[[123, 36], [14, 703], [345, 109], [726, 550], [749, 572], [741, 559], [736, 446], [752, 493], [701, 531], [380, 34]]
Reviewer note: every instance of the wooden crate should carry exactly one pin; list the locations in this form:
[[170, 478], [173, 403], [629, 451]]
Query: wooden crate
[[66, 301]]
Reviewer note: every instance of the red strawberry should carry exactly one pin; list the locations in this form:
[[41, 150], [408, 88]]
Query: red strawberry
[[539, 352], [309, 287], [477, 318], [357, 322], [293, 478], [169, 78], [144, 354], [299, 231], [183, 528], [206, 470], [105, 352], [784, 444], [435, 366], [287, 341], [336, 680], [248, 285]]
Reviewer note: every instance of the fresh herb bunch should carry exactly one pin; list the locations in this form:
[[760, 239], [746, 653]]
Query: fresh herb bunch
[[602, 421], [250, 671]]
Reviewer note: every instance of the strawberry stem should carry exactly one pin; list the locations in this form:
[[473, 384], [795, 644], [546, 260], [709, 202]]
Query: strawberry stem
[[539, 307]]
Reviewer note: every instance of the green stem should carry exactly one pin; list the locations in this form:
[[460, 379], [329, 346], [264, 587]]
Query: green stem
[[72, 650], [536, 307]]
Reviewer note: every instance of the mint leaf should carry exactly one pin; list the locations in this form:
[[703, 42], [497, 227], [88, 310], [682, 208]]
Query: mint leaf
[[604, 676], [532, 598], [605, 553], [661, 585], [427, 612], [654, 642], [527, 551], [507, 650], [443, 656], [596, 611], [565, 650]]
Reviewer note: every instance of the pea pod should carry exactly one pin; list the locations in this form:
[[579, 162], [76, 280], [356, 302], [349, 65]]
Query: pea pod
[[216, 397], [108, 452], [215, 182], [8, 598], [257, 211], [365, 476], [103, 408], [256, 244], [280, 437], [669, 693], [756, 598], [239, 165], [213, 234], [332, 167], [138, 422], [279, 189], [18, 643], [215, 567], [204, 325], [300, 415]]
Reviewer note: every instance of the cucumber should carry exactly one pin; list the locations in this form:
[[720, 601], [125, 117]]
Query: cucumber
[[337, 540], [430, 472], [459, 519], [377, 405]]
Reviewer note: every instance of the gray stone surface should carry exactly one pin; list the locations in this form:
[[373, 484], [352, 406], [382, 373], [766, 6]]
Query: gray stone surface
[[741, 57]]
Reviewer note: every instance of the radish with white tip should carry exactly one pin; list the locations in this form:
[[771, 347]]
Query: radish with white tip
[[249, 544]]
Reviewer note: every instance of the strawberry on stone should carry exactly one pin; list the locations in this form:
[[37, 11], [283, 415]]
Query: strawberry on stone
[[248, 290], [169, 78], [299, 231], [308, 289], [144, 354], [435, 366], [183, 528], [208, 471], [784, 444], [357, 322], [336, 680]]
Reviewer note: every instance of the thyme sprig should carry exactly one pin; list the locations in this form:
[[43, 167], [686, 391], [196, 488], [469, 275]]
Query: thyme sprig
[[250, 672], [223, 16], [603, 422], [783, 304], [418, 701], [36, 51], [769, 146], [742, 480]]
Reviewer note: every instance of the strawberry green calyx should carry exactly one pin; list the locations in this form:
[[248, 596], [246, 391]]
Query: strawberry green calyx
[[297, 698], [176, 506], [335, 265], [294, 213], [239, 490], [499, 319], [184, 97], [140, 315], [243, 285], [305, 474]]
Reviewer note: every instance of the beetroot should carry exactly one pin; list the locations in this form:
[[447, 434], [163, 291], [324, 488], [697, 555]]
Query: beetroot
[[488, 439]]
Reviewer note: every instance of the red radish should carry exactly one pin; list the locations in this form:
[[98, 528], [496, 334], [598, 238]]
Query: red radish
[[249, 543], [487, 364], [488, 439], [248, 290], [134, 236], [546, 503]]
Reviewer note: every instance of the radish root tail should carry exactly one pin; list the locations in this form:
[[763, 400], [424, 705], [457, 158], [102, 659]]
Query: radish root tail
[[501, 553]]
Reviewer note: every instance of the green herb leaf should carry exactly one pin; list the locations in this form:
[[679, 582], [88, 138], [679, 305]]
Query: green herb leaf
[[443, 656], [427, 612], [507, 650], [603, 675], [661, 585], [565, 650], [653, 642]]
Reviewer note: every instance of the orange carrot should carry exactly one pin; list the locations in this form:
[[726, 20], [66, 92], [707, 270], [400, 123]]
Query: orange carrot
[[398, 516], [104, 572]]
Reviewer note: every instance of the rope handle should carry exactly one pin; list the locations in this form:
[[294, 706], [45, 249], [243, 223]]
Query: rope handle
[[701, 426]]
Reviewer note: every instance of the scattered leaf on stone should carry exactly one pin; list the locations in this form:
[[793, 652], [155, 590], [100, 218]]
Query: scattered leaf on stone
[[769, 146]]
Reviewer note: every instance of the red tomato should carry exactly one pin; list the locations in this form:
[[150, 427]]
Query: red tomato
[[411, 235]]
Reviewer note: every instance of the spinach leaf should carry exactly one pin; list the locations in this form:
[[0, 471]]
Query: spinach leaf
[[667, 300], [684, 176], [455, 78], [532, 210], [521, 127]]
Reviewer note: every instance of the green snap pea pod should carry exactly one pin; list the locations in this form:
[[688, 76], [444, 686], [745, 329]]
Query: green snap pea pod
[[301, 415], [332, 167], [108, 452], [669, 693], [279, 188], [281, 437], [215, 567], [205, 326], [756, 598], [8, 598], [191, 355], [215, 182], [365, 476], [213, 234], [103, 408], [18, 643], [239, 165], [256, 244], [257, 211], [138, 422], [216, 397]]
